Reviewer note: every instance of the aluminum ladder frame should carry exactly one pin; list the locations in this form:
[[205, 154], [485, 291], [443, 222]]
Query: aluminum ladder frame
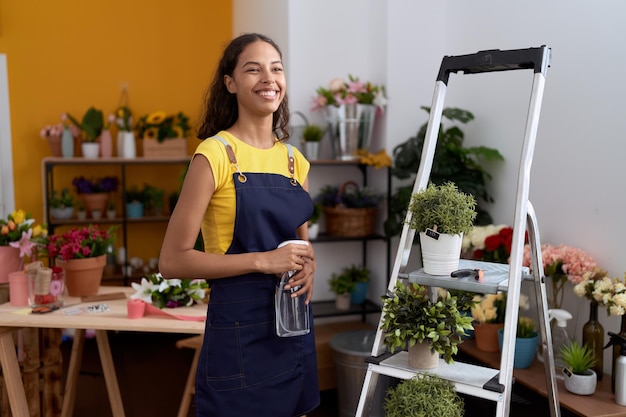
[[495, 385]]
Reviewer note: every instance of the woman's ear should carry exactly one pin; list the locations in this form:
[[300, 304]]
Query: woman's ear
[[230, 84]]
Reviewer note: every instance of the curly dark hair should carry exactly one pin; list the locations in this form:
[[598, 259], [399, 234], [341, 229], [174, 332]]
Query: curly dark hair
[[220, 106]]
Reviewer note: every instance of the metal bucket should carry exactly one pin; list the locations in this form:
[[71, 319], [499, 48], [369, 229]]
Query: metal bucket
[[350, 349]]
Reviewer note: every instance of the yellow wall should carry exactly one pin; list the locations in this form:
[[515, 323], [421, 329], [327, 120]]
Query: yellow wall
[[67, 55]]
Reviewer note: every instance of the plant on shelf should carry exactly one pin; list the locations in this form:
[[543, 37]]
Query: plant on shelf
[[84, 242], [351, 92], [91, 125], [313, 226], [154, 199], [61, 199], [578, 359], [170, 293], [313, 133], [423, 396], [453, 162], [84, 185], [161, 126], [134, 194], [410, 316]]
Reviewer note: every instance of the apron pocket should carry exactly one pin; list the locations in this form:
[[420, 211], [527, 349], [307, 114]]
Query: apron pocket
[[222, 351]]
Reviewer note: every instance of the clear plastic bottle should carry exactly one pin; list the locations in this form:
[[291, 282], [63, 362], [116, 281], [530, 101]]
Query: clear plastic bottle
[[560, 337]]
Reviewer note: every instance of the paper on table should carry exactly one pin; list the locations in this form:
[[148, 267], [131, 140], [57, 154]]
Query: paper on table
[[150, 309]]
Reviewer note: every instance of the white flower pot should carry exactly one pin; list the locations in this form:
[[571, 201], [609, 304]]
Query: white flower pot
[[62, 212], [91, 150], [580, 384], [314, 230], [441, 256]]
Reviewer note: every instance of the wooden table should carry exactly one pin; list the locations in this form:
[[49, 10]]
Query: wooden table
[[77, 317], [600, 404]]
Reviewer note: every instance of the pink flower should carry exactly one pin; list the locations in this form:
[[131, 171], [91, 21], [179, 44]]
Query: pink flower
[[25, 245]]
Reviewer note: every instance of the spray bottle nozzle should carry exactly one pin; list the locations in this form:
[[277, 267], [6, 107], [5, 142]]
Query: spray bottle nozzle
[[561, 316], [616, 339]]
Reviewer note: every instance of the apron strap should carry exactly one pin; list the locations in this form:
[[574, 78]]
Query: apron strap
[[232, 158], [291, 161]]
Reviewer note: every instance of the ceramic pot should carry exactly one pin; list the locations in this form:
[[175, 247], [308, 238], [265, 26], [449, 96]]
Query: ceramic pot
[[486, 336], [422, 357], [83, 276], [91, 150], [342, 301], [95, 201], [314, 230], [18, 288], [357, 296], [441, 256], [525, 348], [55, 145], [62, 212], [312, 150], [9, 262], [580, 384], [134, 210]]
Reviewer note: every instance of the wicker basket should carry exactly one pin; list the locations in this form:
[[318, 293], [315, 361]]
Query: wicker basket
[[350, 222]]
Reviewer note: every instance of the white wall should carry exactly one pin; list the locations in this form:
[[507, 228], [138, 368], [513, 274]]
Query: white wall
[[7, 198], [577, 184]]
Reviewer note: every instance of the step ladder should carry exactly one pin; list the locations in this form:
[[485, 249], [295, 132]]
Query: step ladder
[[478, 381]]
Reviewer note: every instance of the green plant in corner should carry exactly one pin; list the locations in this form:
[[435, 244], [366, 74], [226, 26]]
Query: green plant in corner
[[578, 358], [452, 162], [346, 281], [424, 395], [444, 206], [410, 317], [313, 133], [61, 199], [91, 125]]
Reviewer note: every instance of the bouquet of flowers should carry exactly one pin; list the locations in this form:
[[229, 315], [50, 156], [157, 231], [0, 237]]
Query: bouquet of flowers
[[124, 118], [491, 308], [489, 243], [351, 92], [562, 263], [170, 293], [160, 126], [95, 185], [86, 242], [598, 287], [19, 231]]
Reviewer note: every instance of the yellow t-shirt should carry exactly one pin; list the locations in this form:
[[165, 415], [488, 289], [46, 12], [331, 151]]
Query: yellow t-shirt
[[219, 219]]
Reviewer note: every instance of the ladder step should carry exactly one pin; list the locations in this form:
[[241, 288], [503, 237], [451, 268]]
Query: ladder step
[[495, 278], [468, 379]]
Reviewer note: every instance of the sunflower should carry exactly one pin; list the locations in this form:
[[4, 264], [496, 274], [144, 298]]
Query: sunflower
[[151, 133], [156, 118]]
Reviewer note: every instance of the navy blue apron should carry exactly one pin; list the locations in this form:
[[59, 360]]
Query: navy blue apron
[[244, 368]]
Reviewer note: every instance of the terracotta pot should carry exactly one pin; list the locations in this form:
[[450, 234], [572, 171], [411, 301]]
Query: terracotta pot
[[486, 336], [83, 276], [342, 301], [422, 357], [95, 201], [9, 262], [55, 145]]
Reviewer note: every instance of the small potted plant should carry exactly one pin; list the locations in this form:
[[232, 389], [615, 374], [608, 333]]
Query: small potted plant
[[154, 199], [61, 204], [360, 276], [526, 340], [441, 214], [135, 202], [90, 127], [313, 224], [95, 192], [81, 213], [579, 377], [111, 213], [411, 319], [424, 395], [312, 135], [342, 285], [163, 134]]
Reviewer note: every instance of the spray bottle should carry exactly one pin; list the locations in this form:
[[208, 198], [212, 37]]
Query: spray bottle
[[620, 367], [560, 337]]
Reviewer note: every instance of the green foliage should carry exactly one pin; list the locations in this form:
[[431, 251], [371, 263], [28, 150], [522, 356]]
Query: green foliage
[[424, 395], [135, 194], [452, 211], [346, 281], [154, 197], [410, 316], [62, 199], [525, 327], [452, 162], [317, 212], [313, 133], [350, 195], [91, 125], [578, 358]]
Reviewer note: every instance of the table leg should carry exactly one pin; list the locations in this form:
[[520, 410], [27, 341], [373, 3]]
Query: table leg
[[11, 372], [110, 378], [76, 357]]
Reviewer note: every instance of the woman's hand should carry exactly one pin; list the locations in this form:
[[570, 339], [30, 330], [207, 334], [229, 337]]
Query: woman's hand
[[299, 258]]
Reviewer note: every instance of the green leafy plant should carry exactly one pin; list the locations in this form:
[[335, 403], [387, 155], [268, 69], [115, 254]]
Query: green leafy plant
[[350, 195], [525, 327], [160, 126], [346, 281], [154, 197], [578, 358], [135, 194], [317, 213], [444, 206], [91, 125], [410, 316], [61, 199], [453, 162], [424, 395], [313, 133]]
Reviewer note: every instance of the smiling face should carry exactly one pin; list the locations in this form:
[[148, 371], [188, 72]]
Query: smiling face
[[258, 80]]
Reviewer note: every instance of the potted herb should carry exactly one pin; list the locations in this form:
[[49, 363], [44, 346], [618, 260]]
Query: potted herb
[[61, 204], [360, 276], [453, 162], [579, 377], [111, 213], [154, 199], [526, 340], [313, 221], [312, 135], [411, 319], [349, 210], [424, 395], [90, 127], [81, 213], [342, 285], [95, 191], [441, 214], [135, 202]]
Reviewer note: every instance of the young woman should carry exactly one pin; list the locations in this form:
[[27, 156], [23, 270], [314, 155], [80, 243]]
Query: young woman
[[247, 192]]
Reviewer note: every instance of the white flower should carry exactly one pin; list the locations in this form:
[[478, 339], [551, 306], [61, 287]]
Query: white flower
[[616, 310], [524, 302], [144, 290], [579, 289]]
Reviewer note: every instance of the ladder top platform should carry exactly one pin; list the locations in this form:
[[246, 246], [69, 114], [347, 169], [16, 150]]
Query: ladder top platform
[[495, 278]]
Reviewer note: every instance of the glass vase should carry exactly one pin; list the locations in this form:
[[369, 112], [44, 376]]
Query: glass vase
[[593, 336], [616, 352]]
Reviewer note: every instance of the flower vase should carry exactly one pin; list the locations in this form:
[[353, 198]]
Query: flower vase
[[119, 143], [83, 276], [486, 336], [351, 129], [129, 148], [593, 336], [106, 144], [67, 143], [9, 262], [616, 351]]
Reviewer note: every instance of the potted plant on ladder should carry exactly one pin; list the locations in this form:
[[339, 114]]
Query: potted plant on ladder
[[441, 214]]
